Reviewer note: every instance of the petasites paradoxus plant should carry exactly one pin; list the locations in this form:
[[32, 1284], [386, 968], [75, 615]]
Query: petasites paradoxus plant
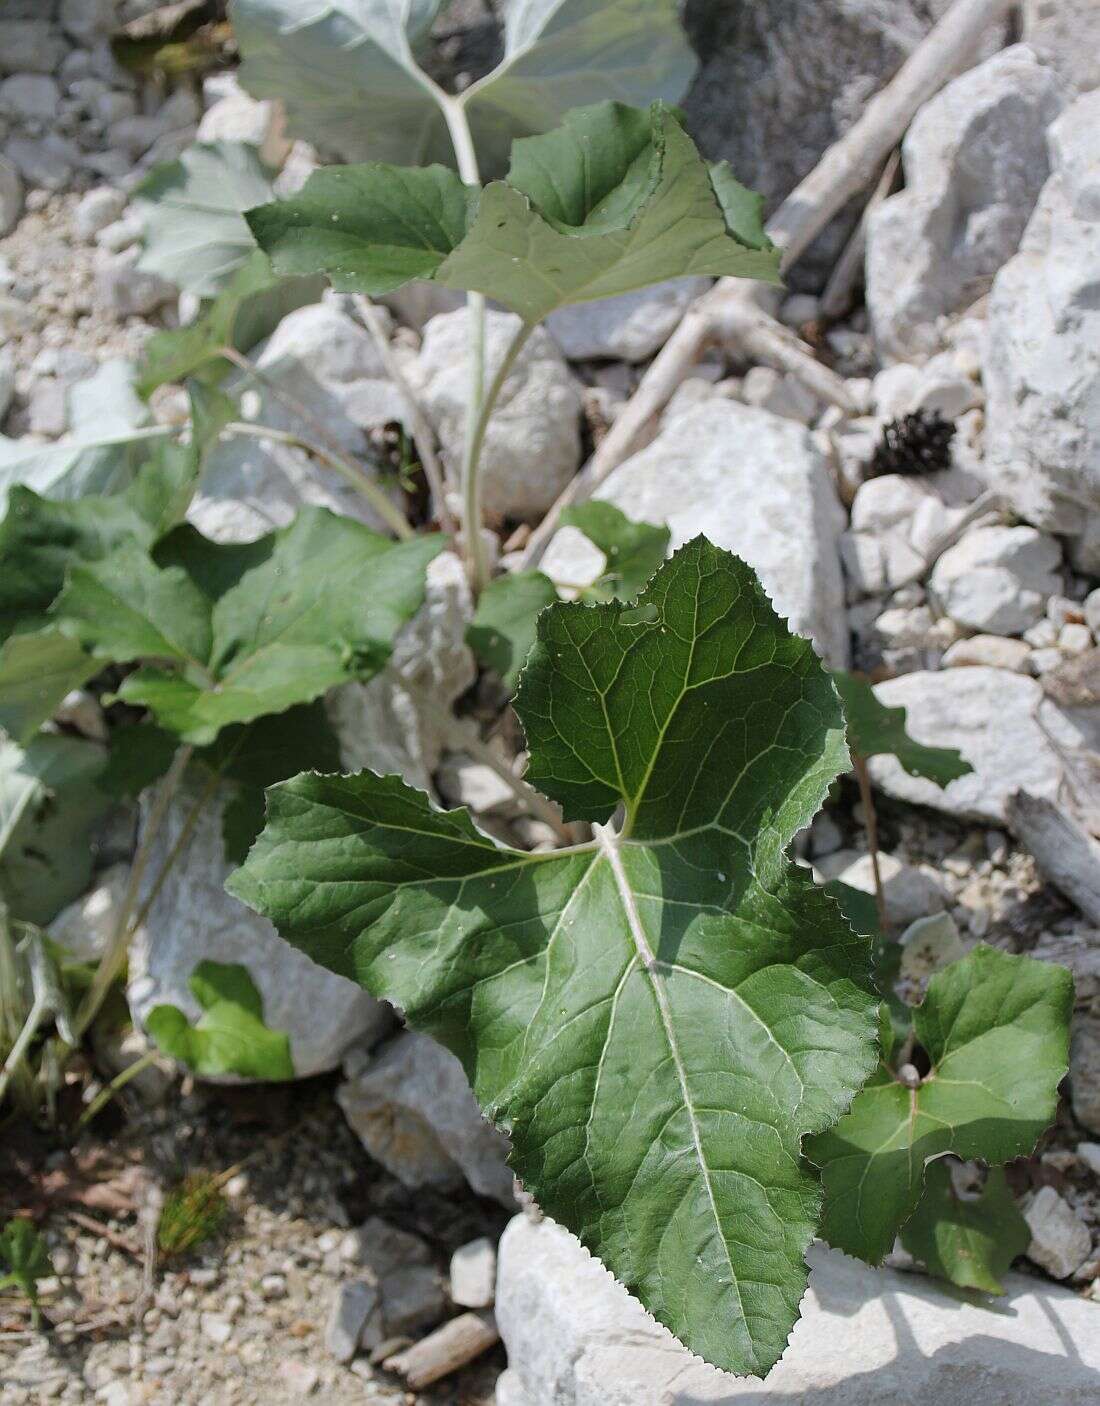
[[658, 1017]]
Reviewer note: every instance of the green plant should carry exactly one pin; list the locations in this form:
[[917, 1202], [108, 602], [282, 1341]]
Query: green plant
[[24, 1260], [698, 1053]]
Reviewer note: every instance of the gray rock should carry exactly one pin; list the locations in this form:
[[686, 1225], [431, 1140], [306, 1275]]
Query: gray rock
[[11, 196], [1042, 357], [85, 927], [87, 21], [47, 411], [752, 483], [1060, 1243], [576, 1338], [630, 327], [30, 46], [474, 1274], [393, 723], [30, 97], [532, 448], [989, 715], [96, 210], [7, 368], [412, 1300], [910, 893], [997, 579], [414, 1111], [127, 291], [355, 1302], [1066, 34], [780, 80], [193, 919], [1084, 1070], [975, 161], [382, 1248], [46, 161]]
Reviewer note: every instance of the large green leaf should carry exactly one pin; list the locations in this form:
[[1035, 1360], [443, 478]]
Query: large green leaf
[[238, 632], [970, 1243], [249, 308], [369, 228], [230, 1036], [562, 54], [614, 200], [192, 209], [874, 729], [503, 628], [658, 1017], [995, 1029], [633, 550], [24, 1258], [346, 74], [50, 802]]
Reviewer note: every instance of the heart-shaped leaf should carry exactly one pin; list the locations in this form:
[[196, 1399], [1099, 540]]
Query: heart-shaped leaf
[[874, 729], [658, 1017], [970, 1242], [995, 1029]]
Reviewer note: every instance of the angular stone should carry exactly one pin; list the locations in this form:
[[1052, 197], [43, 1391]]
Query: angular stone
[[576, 1338], [1042, 357], [997, 579], [356, 1300], [1060, 1243], [474, 1274], [532, 447], [989, 715], [1084, 1070], [993, 651], [752, 483], [630, 327], [237, 117], [11, 196], [382, 1248], [193, 919], [30, 46], [1066, 34], [414, 1111], [85, 927], [975, 160], [412, 1300]]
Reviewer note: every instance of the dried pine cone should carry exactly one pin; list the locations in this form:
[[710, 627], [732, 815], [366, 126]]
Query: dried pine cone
[[916, 444]]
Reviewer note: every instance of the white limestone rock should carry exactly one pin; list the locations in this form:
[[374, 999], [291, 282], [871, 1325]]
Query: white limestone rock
[[84, 928], [1042, 356], [754, 484], [1084, 1070], [414, 1111], [532, 447], [1066, 34], [193, 919], [630, 327], [575, 1337], [237, 117], [975, 160], [911, 893], [1060, 1243], [997, 580], [989, 715]]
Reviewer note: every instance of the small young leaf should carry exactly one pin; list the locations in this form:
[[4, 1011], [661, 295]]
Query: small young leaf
[[230, 1036], [249, 308], [969, 1243], [659, 1017], [192, 209], [503, 628], [996, 1031], [369, 228], [24, 1258], [140, 754], [874, 729], [634, 550], [239, 632]]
